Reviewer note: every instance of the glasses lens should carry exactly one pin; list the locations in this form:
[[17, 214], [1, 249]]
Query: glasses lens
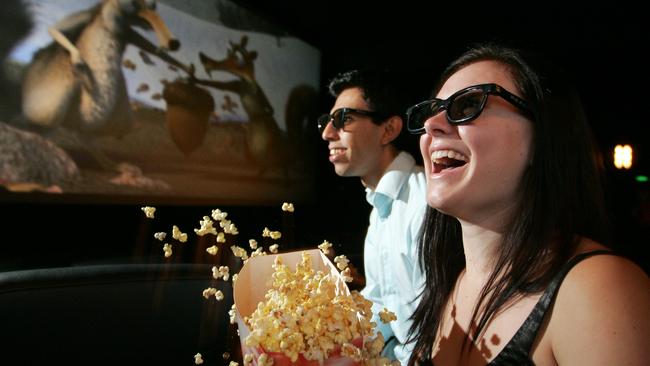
[[337, 118], [466, 106], [323, 121], [419, 113]]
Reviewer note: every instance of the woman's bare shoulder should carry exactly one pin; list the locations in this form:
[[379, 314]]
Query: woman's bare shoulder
[[602, 311]]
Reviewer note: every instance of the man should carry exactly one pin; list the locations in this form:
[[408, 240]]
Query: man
[[362, 130]]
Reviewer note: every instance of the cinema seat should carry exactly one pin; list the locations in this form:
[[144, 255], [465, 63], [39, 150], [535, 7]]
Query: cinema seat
[[125, 314]]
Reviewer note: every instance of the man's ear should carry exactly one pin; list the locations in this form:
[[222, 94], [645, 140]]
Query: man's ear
[[391, 129]]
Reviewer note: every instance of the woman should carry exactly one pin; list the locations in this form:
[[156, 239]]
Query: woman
[[515, 206]]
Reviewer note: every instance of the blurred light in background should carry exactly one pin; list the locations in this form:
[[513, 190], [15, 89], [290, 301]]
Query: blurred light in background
[[641, 178], [623, 156]]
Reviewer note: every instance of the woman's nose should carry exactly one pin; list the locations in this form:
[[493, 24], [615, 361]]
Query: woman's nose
[[438, 124]]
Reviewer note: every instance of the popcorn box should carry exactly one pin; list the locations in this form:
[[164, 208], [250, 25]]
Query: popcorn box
[[251, 287]]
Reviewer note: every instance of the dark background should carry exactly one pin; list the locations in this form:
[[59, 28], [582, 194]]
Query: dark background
[[603, 48]]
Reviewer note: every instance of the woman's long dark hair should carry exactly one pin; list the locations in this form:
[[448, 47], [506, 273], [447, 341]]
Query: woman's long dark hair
[[561, 200]]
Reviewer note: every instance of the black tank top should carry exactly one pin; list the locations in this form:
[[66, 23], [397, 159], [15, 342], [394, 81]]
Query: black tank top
[[517, 351]]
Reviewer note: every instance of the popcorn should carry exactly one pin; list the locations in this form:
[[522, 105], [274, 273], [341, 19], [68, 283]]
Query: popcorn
[[218, 215], [178, 235], [221, 272], [341, 262], [325, 247], [387, 316], [264, 360], [347, 275], [212, 250], [148, 211], [257, 252], [239, 252], [231, 229], [306, 313], [206, 227], [210, 291], [233, 313], [218, 295], [167, 249], [350, 350]]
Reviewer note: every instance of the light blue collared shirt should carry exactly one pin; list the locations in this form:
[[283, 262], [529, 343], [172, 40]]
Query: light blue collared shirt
[[393, 276]]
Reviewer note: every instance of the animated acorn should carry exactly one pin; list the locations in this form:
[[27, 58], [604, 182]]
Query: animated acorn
[[188, 111]]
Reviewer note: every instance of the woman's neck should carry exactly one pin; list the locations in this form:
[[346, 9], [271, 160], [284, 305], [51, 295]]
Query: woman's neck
[[481, 246]]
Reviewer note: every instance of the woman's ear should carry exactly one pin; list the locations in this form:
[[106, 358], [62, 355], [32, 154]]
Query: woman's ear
[[391, 129]]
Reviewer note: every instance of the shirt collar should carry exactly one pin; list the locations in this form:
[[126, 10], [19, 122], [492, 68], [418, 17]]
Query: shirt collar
[[390, 184]]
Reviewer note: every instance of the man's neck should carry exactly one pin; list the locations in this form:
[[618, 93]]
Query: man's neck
[[371, 180]]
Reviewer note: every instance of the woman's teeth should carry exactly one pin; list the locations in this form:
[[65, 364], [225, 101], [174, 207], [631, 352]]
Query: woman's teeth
[[438, 156]]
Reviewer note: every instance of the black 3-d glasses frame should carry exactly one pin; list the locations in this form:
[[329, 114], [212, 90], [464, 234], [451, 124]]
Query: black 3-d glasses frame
[[338, 118], [461, 107]]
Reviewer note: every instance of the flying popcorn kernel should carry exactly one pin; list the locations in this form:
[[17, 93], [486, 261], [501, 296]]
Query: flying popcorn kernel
[[224, 272], [234, 278], [273, 248], [178, 234], [198, 359], [167, 249], [218, 215], [257, 252], [287, 207], [210, 291], [233, 363], [218, 295], [325, 247], [232, 229], [266, 232], [248, 359], [341, 261], [149, 211], [212, 250], [160, 236], [275, 235], [239, 252], [221, 238], [206, 227], [387, 316], [252, 243], [233, 314]]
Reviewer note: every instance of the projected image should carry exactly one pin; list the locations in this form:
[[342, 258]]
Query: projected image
[[140, 98]]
